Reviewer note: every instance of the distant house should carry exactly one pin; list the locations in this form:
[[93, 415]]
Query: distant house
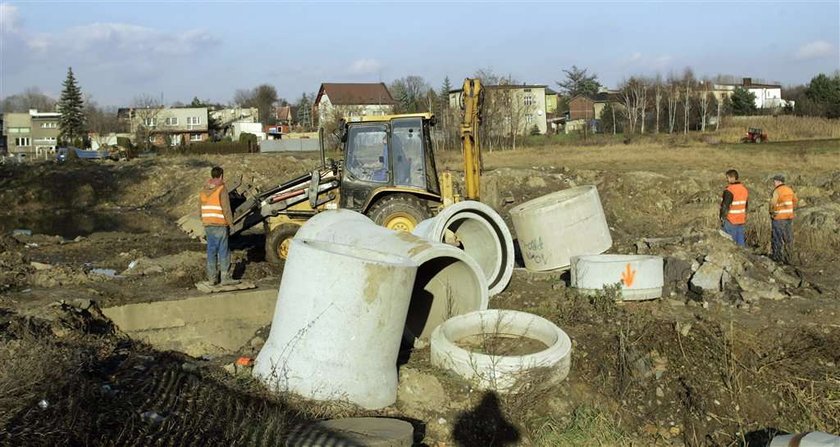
[[33, 132], [283, 115], [226, 118], [348, 101], [588, 108], [767, 96], [521, 105], [550, 102], [166, 126]]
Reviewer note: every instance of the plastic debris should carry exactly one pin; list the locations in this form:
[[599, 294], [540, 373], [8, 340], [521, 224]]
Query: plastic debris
[[152, 417], [43, 404]]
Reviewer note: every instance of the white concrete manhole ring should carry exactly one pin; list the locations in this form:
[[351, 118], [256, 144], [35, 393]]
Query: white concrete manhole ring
[[640, 277], [352, 432], [503, 373]]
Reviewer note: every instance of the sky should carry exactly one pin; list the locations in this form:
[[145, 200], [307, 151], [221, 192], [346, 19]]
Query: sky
[[121, 50]]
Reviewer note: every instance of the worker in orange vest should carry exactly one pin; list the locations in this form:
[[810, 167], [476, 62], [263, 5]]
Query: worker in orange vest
[[217, 218], [782, 204], [733, 207]]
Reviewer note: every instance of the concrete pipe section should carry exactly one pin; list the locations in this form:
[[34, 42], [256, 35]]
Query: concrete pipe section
[[338, 324], [641, 277], [448, 283], [811, 439], [481, 233], [553, 228], [465, 346]]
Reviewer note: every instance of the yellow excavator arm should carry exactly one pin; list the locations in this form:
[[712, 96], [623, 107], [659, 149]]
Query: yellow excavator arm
[[471, 103]]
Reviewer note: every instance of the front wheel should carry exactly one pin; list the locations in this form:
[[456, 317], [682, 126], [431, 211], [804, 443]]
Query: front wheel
[[278, 241], [401, 212]]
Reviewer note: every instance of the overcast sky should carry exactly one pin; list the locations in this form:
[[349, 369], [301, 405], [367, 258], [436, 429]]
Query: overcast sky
[[121, 50]]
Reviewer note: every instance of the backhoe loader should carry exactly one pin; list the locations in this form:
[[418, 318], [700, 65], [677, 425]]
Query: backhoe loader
[[388, 173]]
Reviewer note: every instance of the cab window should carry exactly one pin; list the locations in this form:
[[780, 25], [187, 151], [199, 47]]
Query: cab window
[[408, 146], [367, 152]]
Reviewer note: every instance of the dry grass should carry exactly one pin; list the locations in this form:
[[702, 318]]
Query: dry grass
[[780, 128], [588, 426], [812, 157]]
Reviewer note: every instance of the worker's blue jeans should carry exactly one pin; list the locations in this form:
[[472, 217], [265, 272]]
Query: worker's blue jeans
[[781, 240], [218, 254], [736, 231]]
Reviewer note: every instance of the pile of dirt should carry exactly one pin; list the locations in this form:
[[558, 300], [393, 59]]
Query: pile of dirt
[[14, 264]]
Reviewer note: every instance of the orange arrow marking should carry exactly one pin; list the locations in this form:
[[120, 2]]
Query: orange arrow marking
[[627, 276]]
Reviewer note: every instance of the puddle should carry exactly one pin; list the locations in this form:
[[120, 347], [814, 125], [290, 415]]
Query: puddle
[[69, 224], [209, 325]]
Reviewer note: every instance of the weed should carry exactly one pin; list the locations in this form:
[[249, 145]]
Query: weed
[[588, 426]]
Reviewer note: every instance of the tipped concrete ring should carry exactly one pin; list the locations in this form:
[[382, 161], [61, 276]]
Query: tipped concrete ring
[[449, 282], [641, 277], [553, 228], [482, 234], [496, 372]]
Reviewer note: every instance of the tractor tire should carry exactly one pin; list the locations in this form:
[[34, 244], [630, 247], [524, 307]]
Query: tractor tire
[[277, 243], [757, 140], [400, 212]]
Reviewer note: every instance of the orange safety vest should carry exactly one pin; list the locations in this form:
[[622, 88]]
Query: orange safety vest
[[737, 214], [211, 207], [782, 207]]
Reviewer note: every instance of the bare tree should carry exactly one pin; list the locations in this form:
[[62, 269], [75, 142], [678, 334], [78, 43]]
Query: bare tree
[[634, 98], [657, 98], [704, 93], [263, 97], [688, 87], [719, 102], [410, 92], [31, 98], [673, 100], [143, 119], [641, 98], [101, 122]]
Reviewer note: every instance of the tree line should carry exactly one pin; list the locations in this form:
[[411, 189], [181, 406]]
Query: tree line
[[641, 104]]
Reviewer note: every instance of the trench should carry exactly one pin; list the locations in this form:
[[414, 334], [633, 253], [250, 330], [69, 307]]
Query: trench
[[72, 223], [200, 326], [222, 323]]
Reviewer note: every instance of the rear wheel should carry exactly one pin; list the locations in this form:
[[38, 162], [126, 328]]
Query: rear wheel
[[278, 241], [401, 212]]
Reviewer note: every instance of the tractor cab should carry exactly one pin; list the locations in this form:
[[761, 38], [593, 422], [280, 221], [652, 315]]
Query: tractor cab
[[389, 160]]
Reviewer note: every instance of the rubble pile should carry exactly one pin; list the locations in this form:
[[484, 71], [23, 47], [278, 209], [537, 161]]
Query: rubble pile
[[708, 265]]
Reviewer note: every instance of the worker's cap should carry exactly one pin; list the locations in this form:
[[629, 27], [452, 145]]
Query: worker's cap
[[779, 177]]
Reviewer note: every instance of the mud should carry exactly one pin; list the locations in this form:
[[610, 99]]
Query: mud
[[501, 345]]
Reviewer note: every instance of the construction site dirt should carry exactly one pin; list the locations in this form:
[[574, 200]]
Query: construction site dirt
[[729, 364]]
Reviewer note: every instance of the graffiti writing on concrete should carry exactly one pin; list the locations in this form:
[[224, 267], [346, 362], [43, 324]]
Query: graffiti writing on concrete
[[533, 251], [628, 276]]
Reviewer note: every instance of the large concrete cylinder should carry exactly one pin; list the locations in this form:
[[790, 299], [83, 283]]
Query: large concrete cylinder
[[481, 233], [448, 282], [641, 277], [338, 324], [553, 228]]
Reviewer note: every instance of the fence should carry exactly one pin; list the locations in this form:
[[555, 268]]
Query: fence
[[290, 145]]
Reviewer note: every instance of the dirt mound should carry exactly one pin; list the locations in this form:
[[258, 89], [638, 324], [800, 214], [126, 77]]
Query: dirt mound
[[14, 264]]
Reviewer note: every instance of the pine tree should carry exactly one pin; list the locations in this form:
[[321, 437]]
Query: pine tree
[[743, 102], [71, 106], [443, 96]]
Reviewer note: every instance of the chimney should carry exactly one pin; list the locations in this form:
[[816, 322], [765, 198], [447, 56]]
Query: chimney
[[747, 82]]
